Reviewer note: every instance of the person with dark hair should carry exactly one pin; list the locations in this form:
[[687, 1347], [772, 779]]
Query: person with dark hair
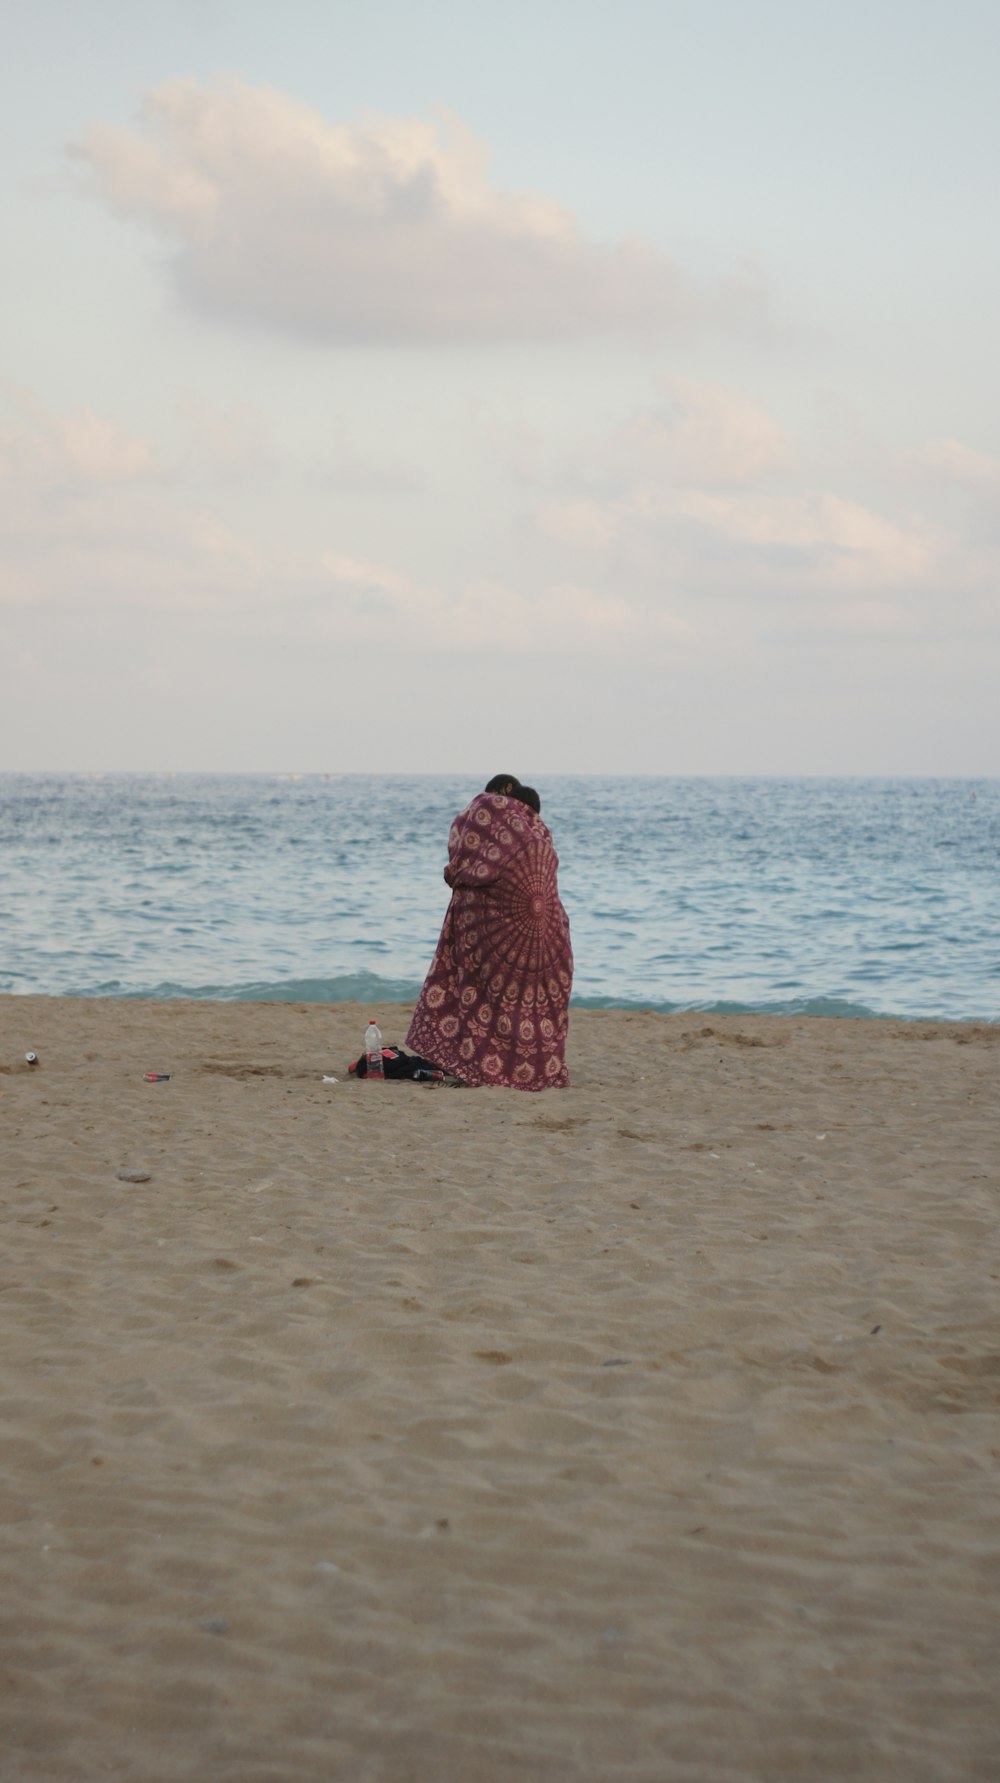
[[505, 783], [494, 1008], [511, 787]]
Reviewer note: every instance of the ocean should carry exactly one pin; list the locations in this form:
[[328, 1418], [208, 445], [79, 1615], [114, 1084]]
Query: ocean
[[787, 896]]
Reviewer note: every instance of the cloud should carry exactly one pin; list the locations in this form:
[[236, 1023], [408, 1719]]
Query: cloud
[[365, 582], [707, 435], [703, 541], [85, 531], [819, 538], [976, 472], [561, 615], [659, 568], [702, 493], [387, 230], [81, 447], [92, 516], [692, 434]]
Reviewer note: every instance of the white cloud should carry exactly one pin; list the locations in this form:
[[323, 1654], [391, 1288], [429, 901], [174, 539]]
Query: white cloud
[[659, 568], [384, 230], [707, 435], [816, 539], [974, 471], [703, 494], [81, 447], [693, 434], [91, 515], [83, 532], [368, 596], [365, 580], [697, 541]]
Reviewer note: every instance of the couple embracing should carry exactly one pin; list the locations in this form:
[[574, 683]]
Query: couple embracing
[[495, 1004]]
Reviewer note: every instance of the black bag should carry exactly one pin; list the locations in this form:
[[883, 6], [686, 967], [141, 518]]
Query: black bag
[[397, 1063]]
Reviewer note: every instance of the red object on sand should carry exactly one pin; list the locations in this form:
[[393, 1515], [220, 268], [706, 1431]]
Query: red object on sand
[[495, 1004]]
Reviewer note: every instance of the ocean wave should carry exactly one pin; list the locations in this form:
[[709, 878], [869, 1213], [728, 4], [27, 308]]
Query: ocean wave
[[368, 987], [353, 987], [782, 1006]]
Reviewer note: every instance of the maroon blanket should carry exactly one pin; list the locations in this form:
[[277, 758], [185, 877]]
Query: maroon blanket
[[495, 1003]]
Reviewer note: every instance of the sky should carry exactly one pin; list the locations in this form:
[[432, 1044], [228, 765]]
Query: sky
[[558, 386]]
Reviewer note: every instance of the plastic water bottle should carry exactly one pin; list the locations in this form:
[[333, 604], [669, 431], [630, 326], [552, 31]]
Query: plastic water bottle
[[373, 1052]]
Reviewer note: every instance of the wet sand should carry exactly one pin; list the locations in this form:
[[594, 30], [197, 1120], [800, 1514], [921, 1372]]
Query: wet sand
[[647, 1430]]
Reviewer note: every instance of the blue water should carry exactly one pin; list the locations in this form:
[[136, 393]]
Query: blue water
[[856, 897]]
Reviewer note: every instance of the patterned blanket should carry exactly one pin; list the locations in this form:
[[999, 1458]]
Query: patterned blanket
[[495, 1004]]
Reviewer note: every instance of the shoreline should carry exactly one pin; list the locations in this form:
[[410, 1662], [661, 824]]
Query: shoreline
[[814, 1009], [646, 1428]]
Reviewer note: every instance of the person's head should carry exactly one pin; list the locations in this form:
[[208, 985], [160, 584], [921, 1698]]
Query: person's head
[[507, 784], [528, 796]]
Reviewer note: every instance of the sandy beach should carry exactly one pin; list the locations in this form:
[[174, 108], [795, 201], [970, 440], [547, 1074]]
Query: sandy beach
[[645, 1430]]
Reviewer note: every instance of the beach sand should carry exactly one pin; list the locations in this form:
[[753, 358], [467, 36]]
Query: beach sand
[[646, 1430]]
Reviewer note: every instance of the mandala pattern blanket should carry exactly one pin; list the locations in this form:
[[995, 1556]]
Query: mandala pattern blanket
[[495, 1004]]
